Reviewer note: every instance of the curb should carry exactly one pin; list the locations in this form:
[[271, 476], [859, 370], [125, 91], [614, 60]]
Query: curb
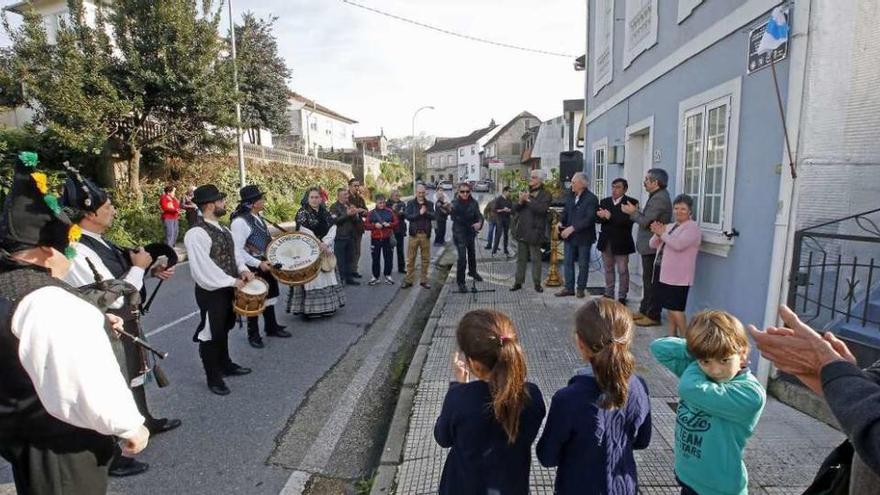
[[392, 452]]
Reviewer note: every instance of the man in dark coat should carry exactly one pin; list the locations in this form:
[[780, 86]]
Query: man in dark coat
[[616, 240], [466, 222], [357, 200], [658, 208], [578, 230], [531, 229], [503, 208], [419, 215]]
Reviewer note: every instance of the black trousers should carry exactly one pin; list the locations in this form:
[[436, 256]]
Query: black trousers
[[342, 249], [381, 249], [502, 227], [217, 315], [440, 233], [78, 466], [649, 306], [401, 254], [467, 256]]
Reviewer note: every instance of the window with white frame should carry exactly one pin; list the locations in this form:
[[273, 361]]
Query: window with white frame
[[473, 150], [461, 152], [599, 168], [709, 128]]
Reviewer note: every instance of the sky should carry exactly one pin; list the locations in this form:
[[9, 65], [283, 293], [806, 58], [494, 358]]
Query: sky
[[379, 70]]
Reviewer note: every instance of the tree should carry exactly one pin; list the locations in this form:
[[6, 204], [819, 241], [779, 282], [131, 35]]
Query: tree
[[402, 149], [155, 83], [262, 76]]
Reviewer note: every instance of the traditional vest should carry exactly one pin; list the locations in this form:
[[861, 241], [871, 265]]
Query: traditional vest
[[260, 238], [117, 261], [22, 415], [222, 248]]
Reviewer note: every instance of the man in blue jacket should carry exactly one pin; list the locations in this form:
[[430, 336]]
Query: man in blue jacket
[[578, 229]]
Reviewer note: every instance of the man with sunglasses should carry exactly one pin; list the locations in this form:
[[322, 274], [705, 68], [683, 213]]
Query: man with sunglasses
[[466, 222]]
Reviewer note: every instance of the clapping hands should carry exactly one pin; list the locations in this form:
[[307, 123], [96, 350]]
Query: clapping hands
[[657, 228], [628, 208]]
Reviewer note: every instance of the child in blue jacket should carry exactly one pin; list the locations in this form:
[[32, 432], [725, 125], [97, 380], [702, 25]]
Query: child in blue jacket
[[720, 402], [603, 414], [490, 422]]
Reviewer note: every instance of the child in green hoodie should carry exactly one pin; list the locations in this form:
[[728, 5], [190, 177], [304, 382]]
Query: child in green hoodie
[[720, 402]]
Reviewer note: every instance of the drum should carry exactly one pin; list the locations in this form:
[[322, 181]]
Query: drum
[[295, 258], [250, 300]]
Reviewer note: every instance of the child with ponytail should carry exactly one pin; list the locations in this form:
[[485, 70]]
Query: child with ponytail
[[604, 413], [490, 415]]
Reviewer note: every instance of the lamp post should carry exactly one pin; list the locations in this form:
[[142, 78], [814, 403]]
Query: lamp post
[[413, 144], [241, 172]]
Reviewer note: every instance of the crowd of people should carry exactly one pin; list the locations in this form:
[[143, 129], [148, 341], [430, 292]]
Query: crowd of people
[[73, 406]]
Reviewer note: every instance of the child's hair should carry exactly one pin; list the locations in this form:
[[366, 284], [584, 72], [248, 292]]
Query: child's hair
[[605, 327], [715, 334], [489, 338]]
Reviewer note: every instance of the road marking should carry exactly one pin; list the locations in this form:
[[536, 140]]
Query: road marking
[[169, 325], [321, 449]]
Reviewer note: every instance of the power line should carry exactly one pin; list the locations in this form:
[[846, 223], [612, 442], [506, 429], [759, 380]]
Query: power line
[[457, 35]]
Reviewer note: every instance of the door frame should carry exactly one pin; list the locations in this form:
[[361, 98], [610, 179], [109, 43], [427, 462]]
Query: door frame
[[639, 129]]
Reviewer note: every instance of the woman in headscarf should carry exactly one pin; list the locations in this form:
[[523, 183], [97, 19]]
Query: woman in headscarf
[[323, 295]]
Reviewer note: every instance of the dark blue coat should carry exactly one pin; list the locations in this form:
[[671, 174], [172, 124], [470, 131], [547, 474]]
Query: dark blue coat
[[481, 461], [581, 216], [593, 447]]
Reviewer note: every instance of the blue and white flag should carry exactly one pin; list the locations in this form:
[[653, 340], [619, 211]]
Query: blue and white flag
[[776, 33]]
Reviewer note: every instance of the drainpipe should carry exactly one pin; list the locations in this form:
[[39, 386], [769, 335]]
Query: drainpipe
[[786, 209]]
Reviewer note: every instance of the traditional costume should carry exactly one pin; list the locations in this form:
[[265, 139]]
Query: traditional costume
[[62, 396], [97, 259], [214, 268], [323, 295], [251, 236]]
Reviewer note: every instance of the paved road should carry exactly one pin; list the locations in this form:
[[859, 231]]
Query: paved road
[[225, 442]]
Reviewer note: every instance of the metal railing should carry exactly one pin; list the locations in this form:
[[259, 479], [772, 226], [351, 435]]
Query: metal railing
[[257, 152], [834, 271]]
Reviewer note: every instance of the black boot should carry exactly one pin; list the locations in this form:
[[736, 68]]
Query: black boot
[[209, 353], [253, 332], [273, 329]]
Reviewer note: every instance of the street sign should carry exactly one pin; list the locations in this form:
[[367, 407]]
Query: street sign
[[496, 164], [758, 61]]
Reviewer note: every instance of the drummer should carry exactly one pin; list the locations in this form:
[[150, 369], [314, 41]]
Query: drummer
[[91, 208], [251, 235], [217, 271]]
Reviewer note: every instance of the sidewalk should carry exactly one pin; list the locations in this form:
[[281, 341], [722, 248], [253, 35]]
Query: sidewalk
[[782, 456]]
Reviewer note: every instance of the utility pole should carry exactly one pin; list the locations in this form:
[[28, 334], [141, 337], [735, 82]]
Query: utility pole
[[241, 171], [413, 144]]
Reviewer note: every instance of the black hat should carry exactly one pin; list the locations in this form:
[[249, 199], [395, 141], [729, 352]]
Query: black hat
[[206, 194], [32, 216], [251, 193], [80, 193]]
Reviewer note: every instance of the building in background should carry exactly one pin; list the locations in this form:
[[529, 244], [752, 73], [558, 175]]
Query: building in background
[[680, 85], [375, 145], [504, 146], [315, 128], [459, 158], [560, 134]]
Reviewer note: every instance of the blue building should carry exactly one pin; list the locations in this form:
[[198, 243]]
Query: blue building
[[679, 85]]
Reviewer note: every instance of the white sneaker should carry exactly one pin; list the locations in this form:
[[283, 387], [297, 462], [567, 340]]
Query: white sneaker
[[373, 281], [389, 280]]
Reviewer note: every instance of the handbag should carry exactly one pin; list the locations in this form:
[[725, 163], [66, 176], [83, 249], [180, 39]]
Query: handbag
[[833, 475]]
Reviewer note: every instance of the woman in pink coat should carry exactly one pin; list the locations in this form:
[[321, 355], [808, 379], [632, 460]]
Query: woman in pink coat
[[677, 245]]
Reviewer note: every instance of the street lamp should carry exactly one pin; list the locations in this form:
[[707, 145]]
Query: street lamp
[[241, 173], [413, 144]]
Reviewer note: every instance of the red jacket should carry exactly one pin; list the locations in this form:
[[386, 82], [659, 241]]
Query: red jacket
[[170, 207], [375, 216]]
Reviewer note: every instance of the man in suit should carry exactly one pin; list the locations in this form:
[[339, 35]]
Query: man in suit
[[658, 208], [578, 230], [616, 240]]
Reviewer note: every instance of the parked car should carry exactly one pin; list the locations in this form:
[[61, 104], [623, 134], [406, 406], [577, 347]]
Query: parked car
[[430, 185], [481, 186], [446, 185]]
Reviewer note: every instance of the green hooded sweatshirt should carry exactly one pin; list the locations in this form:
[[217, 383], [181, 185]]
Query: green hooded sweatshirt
[[713, 422]]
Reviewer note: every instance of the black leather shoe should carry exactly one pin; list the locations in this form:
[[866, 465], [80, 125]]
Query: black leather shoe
[[516, 287], [401, 271], [462, 288], [162, 425], [477, 277], [126, 466], [356, 275], [219, 389], [622, 300], [538, 288], [236, 370], [256, 343], [352, 282], [279, 332]]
